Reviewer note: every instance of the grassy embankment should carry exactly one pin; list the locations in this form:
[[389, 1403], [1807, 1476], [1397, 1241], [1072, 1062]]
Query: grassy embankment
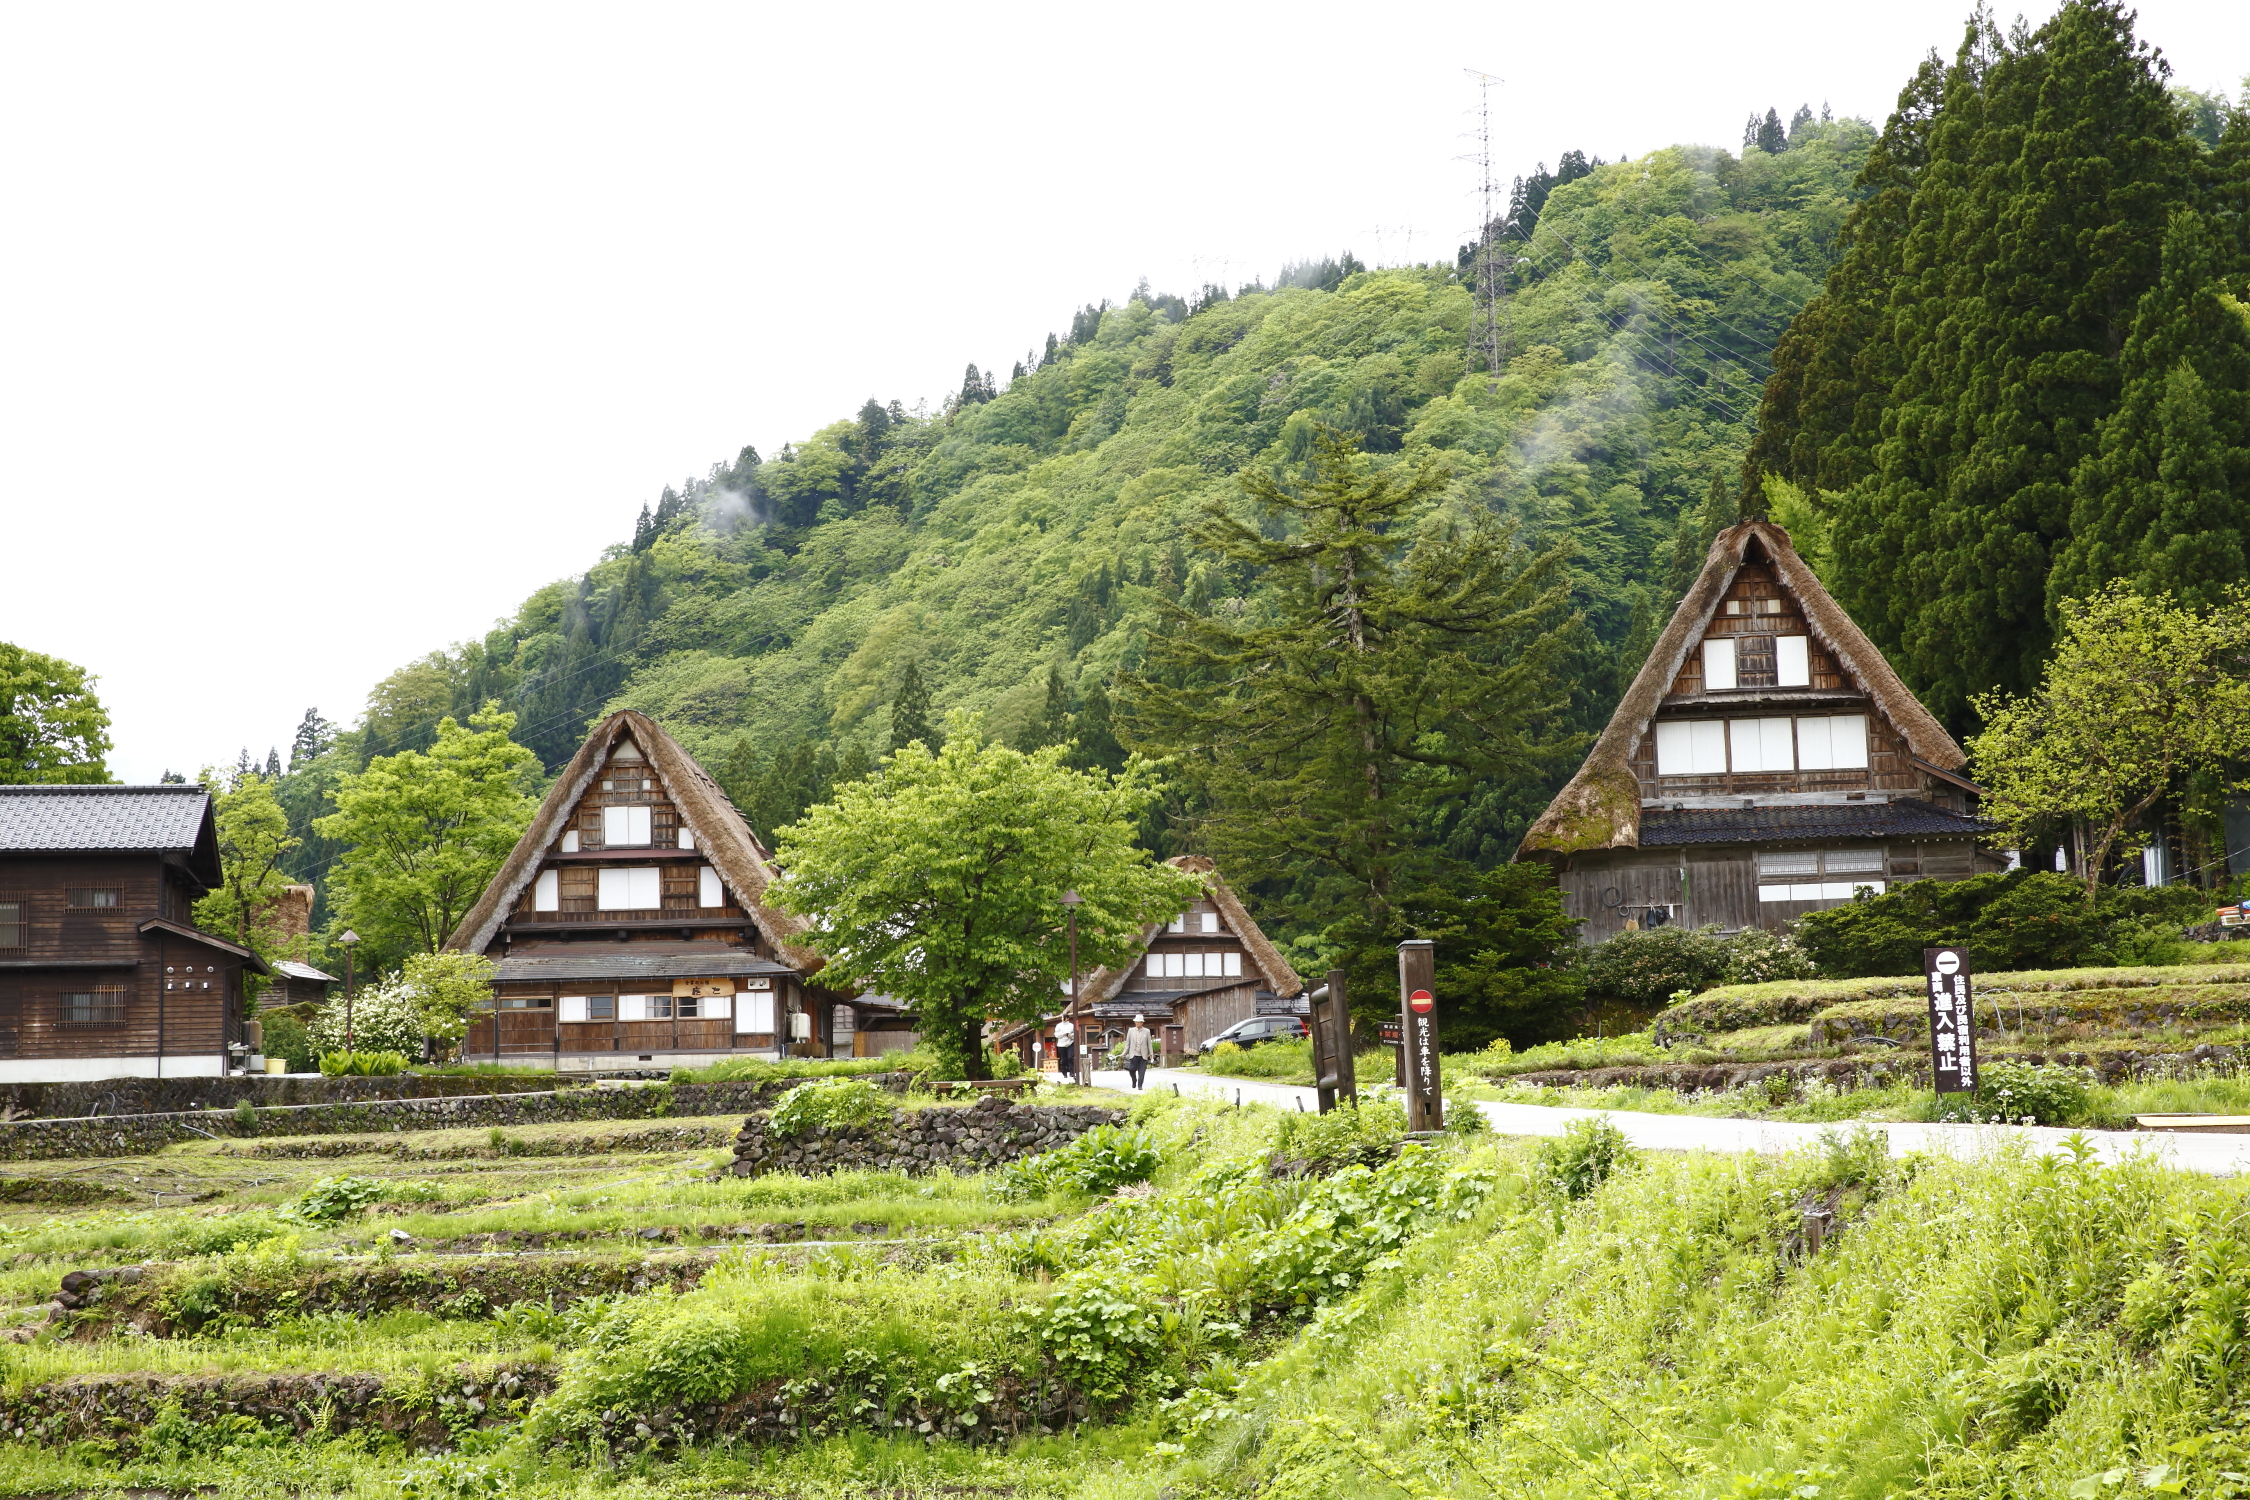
[[1488, 1318]]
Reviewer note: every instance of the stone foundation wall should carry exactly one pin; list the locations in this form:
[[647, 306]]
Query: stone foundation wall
[[988, 1133], [155, 1096], [1873, 1068], [135, 1135]]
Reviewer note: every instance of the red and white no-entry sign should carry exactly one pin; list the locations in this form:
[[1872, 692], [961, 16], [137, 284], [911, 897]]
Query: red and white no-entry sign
[[1421, 1001]]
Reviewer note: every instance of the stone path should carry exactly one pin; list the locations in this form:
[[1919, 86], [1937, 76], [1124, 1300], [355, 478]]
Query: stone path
[[2217, 1155]]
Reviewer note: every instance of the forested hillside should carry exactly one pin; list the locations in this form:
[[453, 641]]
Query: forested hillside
[[2030, 374], [1005, 553]]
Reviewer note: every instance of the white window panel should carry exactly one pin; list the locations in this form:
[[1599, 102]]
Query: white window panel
[[710, 890], [687, 837], [1718, 665], [1194, 965], [1762, 745], [1179, 924], [1852, 861], [1792, 660], [1210, 921], [632, 1007], [625, 826], [1233, 966], [635, 888], [1843, 890], [1836, 742], [1691, 747], [570, 841], [755, 1013], [546, 892], [1156, 966], [1173, 968], [1770, 865]]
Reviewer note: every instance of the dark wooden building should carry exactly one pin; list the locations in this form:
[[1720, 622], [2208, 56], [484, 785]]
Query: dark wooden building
[[1192, 977], [629, 924], [1766, 762], [102, 972]]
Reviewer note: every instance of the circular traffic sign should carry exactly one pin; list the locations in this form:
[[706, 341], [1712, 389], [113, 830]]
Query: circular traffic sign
[[1949, 962], [1421, 1001]]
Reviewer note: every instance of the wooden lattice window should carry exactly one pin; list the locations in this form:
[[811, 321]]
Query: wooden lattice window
[[15, 922], [101, 1006], [90, 898]]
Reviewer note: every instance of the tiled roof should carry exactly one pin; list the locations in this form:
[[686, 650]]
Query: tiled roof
[[100, 818], [290, 969], [1904, 818], [549, 965]]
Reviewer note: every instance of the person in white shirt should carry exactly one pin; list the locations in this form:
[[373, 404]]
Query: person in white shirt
[[1066, 1048], [1137, 1047]]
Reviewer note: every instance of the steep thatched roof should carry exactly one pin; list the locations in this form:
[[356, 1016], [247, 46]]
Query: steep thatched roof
[[720, 834], [1103, 984], [1601, 807]]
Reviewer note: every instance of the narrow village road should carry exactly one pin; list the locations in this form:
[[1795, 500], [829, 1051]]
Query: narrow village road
[[2214, 1155]]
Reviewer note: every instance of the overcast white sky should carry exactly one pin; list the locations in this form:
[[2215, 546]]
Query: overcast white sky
[[328, 332]]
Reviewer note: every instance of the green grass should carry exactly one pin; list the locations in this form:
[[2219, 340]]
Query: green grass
[[753, 1070]]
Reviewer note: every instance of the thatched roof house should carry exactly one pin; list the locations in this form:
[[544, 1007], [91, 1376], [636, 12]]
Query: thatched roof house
[[630, 922], [1196, 975], [1765, 762]]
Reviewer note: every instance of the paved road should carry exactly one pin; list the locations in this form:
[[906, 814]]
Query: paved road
[[2218, 1155]]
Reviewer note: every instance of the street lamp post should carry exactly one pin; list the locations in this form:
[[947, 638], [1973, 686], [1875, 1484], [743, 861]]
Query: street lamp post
[[349, 940], [1071, 901]]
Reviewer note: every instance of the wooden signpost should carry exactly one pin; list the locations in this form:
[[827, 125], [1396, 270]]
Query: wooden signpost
[[1417, 1016], [1953, 1024], [1333, 1073]]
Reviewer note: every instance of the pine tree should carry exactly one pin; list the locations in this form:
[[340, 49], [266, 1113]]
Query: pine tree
[[1051, 725], [314, 736], [2161, 503], [1093, 736], [1798, 122], [910, 712], [1772, 139], [273, 763]]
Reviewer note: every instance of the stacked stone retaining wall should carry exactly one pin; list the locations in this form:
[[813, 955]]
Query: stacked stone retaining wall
[[1874, 1069], [156, 1096], [988, 1133], [136, 1135]]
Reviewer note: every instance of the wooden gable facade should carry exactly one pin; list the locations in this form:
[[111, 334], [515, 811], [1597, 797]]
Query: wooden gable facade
[[629, 923], [102, 971], [1766, 762], [1193, 977]]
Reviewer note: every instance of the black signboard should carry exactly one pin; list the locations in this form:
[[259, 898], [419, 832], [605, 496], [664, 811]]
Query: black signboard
[[1425, 1088], [1953, 1025], [1392, 1033]]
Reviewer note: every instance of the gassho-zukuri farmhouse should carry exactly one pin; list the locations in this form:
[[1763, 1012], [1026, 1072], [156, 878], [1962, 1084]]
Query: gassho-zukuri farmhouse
[[1766, 762]]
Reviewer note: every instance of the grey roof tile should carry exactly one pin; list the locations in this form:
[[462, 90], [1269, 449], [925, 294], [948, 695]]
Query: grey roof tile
[[549, 966], [1905, 818], [36, 819]]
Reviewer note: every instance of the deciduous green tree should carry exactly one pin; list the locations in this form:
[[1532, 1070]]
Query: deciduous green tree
[[427, 830], [53, 730], [940, 881], [447, 989], [254, 846], [2142, 694]]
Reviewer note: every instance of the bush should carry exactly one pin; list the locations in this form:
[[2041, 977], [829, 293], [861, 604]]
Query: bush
[[2017, 919], [333, 1200], [384, 1018], [1587, 1154], [1648, 968], [2019, 1093], [1366, 1134], [847, 1102], [1101, 1161], [362, 1064], [1756, 956], [1276, 1059], [287, 1039]]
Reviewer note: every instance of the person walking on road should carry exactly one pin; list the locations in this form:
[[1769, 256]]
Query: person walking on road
[[1137, 1049], [1066, 1049]]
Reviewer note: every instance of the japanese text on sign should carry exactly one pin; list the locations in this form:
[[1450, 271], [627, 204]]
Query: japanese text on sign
[[1953, 1027]]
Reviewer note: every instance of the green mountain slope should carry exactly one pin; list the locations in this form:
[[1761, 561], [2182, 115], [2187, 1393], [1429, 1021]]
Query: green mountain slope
[[778, 602]]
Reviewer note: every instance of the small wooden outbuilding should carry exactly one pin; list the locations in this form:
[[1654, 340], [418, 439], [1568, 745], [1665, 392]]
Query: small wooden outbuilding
[[1766, 762]]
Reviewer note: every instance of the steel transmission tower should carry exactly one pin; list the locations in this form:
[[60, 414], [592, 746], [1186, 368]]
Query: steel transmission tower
[[1491, 269]]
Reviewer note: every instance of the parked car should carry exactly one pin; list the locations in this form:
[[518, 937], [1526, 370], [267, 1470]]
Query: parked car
[[1255, 1030]]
